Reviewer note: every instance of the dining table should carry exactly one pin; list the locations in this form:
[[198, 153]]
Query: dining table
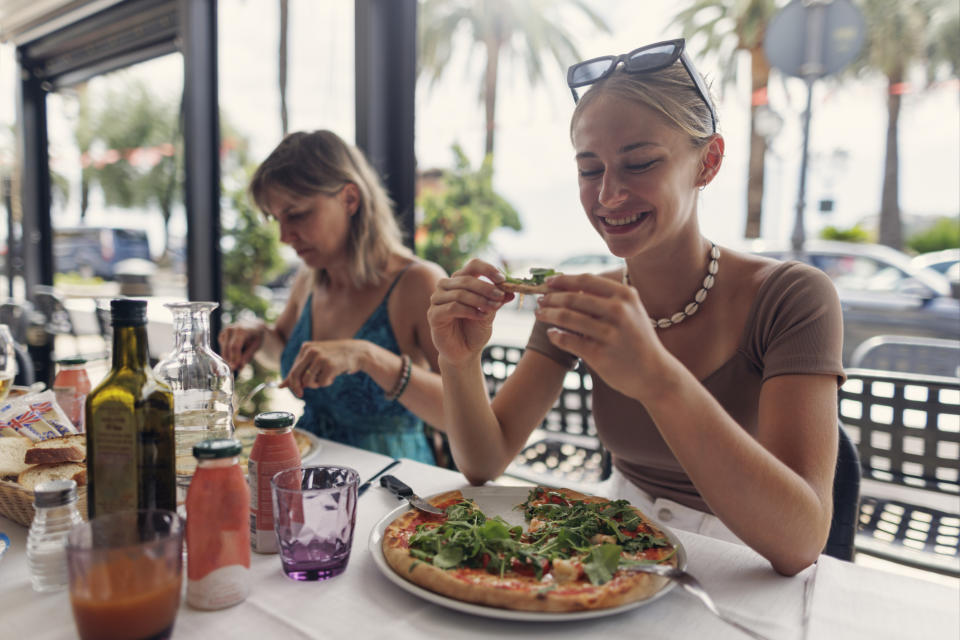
[[830, 599]]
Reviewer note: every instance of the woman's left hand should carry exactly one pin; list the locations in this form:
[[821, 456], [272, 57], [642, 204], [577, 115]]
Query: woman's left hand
[[320, 362], [604, 323]]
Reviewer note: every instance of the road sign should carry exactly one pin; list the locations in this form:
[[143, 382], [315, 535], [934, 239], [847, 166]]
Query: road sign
[[814, 38]]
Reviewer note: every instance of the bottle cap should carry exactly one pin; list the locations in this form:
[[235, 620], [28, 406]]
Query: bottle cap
[[128, 313], [54, 493], [72, 362], [215, 448], [273, 420]]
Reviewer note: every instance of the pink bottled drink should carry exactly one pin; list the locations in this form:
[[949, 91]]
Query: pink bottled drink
[[218, 527], [71, 387], [274, 450]]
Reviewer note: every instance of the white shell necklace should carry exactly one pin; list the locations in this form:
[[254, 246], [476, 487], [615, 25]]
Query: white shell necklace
[[712, 268]]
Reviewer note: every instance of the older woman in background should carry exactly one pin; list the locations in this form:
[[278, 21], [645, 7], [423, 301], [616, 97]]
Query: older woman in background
[[353, 340]]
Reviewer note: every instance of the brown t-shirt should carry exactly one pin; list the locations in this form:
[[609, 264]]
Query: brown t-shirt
[[795, 326]]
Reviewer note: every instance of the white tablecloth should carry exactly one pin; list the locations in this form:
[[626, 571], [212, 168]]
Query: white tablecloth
[[831, 600]]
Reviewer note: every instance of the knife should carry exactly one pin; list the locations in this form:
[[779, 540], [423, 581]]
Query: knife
[[399, 489], [366, 485]]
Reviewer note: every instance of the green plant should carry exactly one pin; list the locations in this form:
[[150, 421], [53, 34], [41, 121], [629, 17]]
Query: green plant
[[942, 234], [250, 258], [459, 217], [856, 233]]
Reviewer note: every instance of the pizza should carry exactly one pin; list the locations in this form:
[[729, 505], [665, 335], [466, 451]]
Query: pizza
[[573, 555], [534, 284]]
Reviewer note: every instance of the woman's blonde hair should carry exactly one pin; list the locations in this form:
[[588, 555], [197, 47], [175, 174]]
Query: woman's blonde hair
[[305, 164], [669, 91]]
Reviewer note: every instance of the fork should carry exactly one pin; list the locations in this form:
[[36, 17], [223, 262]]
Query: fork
[[266, 384], [692, 586]]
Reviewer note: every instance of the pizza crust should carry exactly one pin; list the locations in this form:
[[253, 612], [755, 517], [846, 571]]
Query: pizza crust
[[531, 289], [513, 591]]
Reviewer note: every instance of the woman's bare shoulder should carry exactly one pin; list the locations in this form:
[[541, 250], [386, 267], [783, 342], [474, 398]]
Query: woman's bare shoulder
[[420, 276]]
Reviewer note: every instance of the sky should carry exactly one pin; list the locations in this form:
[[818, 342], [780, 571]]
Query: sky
[[534, 168]]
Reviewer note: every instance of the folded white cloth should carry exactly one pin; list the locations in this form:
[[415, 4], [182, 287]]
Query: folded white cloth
[[852, 601]]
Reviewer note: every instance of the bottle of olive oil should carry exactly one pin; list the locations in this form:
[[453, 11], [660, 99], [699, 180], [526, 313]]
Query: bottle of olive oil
[[129, 417]]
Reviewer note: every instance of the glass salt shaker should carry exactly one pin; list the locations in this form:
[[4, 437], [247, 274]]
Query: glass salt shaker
[[55, 504]]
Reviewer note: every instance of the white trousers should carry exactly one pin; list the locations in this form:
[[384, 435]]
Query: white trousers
[[672, 514]]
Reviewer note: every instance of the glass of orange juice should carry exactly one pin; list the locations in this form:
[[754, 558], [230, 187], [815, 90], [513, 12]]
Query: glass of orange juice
[[125, 572]]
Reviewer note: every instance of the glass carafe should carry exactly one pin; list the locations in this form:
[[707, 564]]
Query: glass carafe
[[202, 386]]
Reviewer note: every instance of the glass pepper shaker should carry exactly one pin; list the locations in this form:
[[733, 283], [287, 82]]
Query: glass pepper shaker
[[55, 504]]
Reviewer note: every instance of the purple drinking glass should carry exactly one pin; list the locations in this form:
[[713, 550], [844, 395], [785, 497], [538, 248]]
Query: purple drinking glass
[[314, 512]]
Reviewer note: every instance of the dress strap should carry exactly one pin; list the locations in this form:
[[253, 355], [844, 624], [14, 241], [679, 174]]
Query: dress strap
[[396, 280]]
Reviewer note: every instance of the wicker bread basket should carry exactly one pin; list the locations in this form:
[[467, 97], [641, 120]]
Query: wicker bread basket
[[16, 503]]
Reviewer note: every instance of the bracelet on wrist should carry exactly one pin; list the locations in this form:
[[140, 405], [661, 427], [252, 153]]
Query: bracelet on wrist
[[406, 366]]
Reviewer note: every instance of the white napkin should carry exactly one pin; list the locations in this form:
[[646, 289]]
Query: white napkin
[[852, 601]]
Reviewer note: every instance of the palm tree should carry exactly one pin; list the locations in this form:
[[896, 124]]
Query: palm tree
[[730, 26], [902, 34], [524, 29]]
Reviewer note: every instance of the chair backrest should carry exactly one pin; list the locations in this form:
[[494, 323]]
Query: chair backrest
[[906, 426], [909, 354], [104, 320], [572, 414], [48, 301], [26, 374], [846, 500], [16, 315]]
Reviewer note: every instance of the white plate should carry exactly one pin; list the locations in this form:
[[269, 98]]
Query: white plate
[[500, 501], [315, 445]]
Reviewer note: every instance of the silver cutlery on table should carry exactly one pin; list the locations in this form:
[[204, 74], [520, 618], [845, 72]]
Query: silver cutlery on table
[[692, 586], [401, 490]]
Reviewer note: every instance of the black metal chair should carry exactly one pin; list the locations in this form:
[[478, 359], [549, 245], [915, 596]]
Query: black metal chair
[[907, 430], [846, 500], [565, 447], [16, 315], [909, 354], [49, 302], [26, 375]]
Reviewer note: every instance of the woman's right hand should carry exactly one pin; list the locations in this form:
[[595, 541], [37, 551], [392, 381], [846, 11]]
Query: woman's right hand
[[462, 309], [239, 343]]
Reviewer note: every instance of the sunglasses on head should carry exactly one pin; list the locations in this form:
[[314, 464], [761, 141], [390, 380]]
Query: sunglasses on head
[[652, 57]]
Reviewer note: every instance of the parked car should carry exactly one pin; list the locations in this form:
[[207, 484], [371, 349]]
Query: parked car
[[96, 251], [881, 291], [946, 262], [939, 261]]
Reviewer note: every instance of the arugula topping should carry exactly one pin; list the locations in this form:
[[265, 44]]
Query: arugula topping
[[595, 532], [537, 276]]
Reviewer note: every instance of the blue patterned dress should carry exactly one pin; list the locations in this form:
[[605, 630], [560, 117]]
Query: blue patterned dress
[[354, 410]]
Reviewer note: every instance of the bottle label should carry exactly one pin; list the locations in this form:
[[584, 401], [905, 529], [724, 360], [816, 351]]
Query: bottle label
[[114, 458], [221, 588], [71, 401], [262, 536], [218, 536]]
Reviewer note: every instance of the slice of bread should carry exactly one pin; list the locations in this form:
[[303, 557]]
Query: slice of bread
[[71, 448], [12, 452], [36, 474]]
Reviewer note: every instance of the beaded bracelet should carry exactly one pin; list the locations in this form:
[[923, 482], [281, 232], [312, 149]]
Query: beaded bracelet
[[401, 386]]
